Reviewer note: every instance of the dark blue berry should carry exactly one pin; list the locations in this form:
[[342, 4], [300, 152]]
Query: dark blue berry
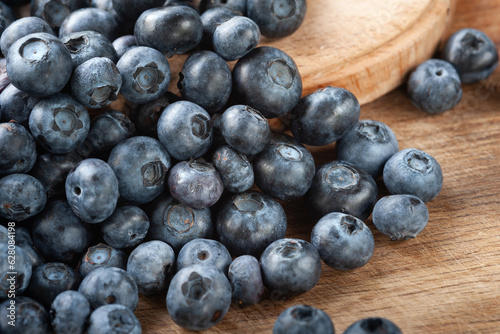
[[16, 105], [20, 28], [146, 116], [69, 313], [55, 12], [123, 43], [87, 44], [277, 18], [31, 316], [90, 19], [113, 319], [130, 10], [235, 38], [126, 227], [303, 319], [234, 169], [18, 149], [211, 18], [373, 326], [21, 196], [23, 270], [246, 280], [207, 252]]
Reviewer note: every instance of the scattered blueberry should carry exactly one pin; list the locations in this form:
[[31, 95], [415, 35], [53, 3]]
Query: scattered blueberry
[[277, 18], [234, 168], [206, 252], [246, 280], [90, 19], [126, 227], [373, 326], [21, 196], [18, 149], [113, 319], [16, 105], [210, 19], [69, 313], [303, 319], [235, 37], [87, 44], [55, 12], [123, 43]]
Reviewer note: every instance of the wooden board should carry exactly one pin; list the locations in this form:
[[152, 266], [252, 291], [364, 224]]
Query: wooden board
[[447, 280]]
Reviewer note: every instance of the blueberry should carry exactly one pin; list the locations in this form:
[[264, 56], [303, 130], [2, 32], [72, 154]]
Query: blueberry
[[7, 16], [284, 171], [324, 116], [268, 80], [435, 86], [206, 80], [126, 227], [39, 64], [206, 252], [49, 280], [18, 149], [303, 319], [246, 280], [25, 242], [177, 224], [106, 131], [199, 297], [69, 313], [186, 120], [31, 316], [473, 54], [245, 129], [90, 18], [58, 234], [145, 74], [141, 165], [233, 5], [368, 145], [249, 222], [110, 286], [21, 196], [373, 326], [16, 105], [236, 37], [92, 190], [55, 12], [277, 18], [23, 269], [343, 241], [211, 18], [101, 255], [87, 44], [151, 264], [146, 116], [20, 28], [96, 82], [130, 10], [290, 266], [171, 30], [113, 319], [234, 169], [414, 172], [59, 123], [123, 43], [339, 186]]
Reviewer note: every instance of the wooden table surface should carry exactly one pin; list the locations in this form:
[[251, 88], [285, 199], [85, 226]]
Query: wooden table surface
[[447, 280]]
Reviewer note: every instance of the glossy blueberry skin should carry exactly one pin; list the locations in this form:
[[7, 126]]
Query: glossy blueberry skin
[[113, 319], [49, 280], [58, 234], [204, 252], [233, 5], [90, 19], [284, 171], [339, 186], [277, 18], [268, 80], [234, 169], [177, 224], [246, 280], [141, 165], [400, 216], [249, 222], [211, 18], [145, 74], [106, 131], [21, 196], [290, 266], [59, 123], [20, 28], [245, 129], [324, 116], [473, 54], [186, 120], [199, 297], [373, 326], [206, 80], [151, 264], [24, 241], [146, 116], [368, 145], [92, 190], [123, 43], [69, 313], [110, 286], [235, 38], [23, 270], [130, 10], [195, 183], [303, 319], [126, 227], [96, 82], [39, 64], [18, 149], [435, 86], [16, 105], [31, 317], [55, 12], [343, 241], [171, 30], [414, 172], [101, 255], [87, 44]]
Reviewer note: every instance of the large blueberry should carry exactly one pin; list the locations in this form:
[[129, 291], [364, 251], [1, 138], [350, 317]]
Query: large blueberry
[[303, 319], [21, 196], [16, 105], [20, 28], [277, 18], [234, 169], [101, 255], [87, 44], [69, 313], [246, 280], [18, 149], [31, 316], [343, 241], [113, 319], [10, 255], [126, 227], [205, 252]]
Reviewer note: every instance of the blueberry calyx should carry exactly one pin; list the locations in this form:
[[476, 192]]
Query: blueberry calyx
[[201, 126], [34, 49], [281, 73], [103, 95], [249, 203], [76, 45], [350, 225], [148, 78], [196, 288], [98, 254], [342, 177], [418, 162], [303, 313], [153, 173], [373, 132], [283, 9], [472, 43], [54, 272], [179, 218], [121, 321], [289, 152]]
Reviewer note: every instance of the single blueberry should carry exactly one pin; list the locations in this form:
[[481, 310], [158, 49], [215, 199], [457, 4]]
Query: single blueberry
[[101, 255], [206, 252], [69, 313], [126, 227], [277, 18], [21, 196], [16, 105], [113, 319], [25, 242], [246, 280], [373, 326], [211, 18], [31, 317], [234, 169], [87, 44], [235, 38], [20, 279], [20, 28], [123, 43], [18, 149], [55, 12], [90, 18], [303, 319]]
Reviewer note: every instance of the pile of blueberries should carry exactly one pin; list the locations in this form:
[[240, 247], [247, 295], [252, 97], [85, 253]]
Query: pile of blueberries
[[182, 195]]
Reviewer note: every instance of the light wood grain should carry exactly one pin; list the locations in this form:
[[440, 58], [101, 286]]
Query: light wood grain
[[447, 280]]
